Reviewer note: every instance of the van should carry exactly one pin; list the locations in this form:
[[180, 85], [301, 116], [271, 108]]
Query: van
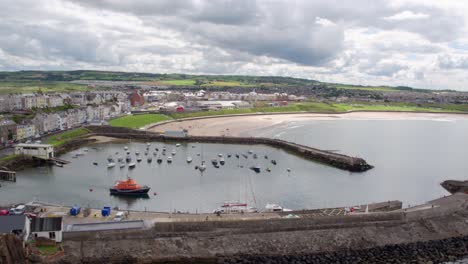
[[119, 216], [18, 210]]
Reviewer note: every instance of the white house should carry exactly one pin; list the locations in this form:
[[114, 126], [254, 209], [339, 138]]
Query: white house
[[48, 227], [45, 151]]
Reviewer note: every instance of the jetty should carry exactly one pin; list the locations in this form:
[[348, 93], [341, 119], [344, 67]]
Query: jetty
[[6, 175], [340, 161]]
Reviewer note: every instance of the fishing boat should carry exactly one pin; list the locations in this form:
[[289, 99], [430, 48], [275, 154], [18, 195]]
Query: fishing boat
[[255, 168], [132, 165], [128, 158], [273, 162], [128, 187], [169, 159], [275, 208], [173, 152], [110, 165], [221, 161], [189, 159]]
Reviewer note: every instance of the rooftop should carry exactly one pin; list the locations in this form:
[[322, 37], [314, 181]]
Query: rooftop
[[33, 145], [46, 224], [8, 223]]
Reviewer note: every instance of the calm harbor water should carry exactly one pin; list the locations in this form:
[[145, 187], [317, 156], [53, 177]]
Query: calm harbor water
[[411, 158]]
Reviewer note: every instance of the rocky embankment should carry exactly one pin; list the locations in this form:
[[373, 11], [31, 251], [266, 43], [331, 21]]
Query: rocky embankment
[[11, 250]]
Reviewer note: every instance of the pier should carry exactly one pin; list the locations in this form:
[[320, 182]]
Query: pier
[[340, 161], [6, 175]]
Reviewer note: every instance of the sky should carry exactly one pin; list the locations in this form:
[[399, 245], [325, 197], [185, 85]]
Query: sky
[[366, 42]]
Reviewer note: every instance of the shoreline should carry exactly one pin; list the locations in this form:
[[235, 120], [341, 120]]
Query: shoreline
[[241, 124]]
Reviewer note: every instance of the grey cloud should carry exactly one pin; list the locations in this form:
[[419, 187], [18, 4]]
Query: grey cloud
[[452, 62], [386, 69]]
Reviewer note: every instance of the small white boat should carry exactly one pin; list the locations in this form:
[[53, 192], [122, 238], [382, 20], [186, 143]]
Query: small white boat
[[125, 148], [177, 145], [122, 165], [235, 207], [189, 159], [120, 159], [169, 159], [110, 165], [137, 152], [221, 161], [58, 164], [250, 151], [173, 152], [131, 165], [275, 208], [85, 150], [202, 167], [220, 155], [148, 144]]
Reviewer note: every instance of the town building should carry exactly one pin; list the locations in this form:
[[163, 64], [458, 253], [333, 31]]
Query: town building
[[25, 132], [47, 227], [15, 224], [7, 131], [44, 151], [136, 99]]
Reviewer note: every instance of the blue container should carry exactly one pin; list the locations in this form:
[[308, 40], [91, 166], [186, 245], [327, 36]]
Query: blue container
[[75, 210], [105, 211]]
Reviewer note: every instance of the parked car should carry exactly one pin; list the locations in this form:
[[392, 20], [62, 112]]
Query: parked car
[[119, 216], [17, 210], [4, 212]]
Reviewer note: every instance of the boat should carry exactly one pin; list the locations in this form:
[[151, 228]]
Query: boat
[[234, 207], [128, 152], [237, 155], [128, 158], [273, 162], [268, 169], [255, 168], [202, 167], [110, 159], [189, 159], [156, 149], [95, 163], [221, 161], [229, 155], [148, 144], [125, 148], [220, 155], [288, 169], [255, 156], [120, 159], [245, 156], [266, 157], [214, 162], [250, 151], [169, 159], [137, 152], [131, 165], [146, 153], [138, 159], [60, 165], [122, 165], [159, 160], [85, 150], [454, 186], [177, 145], [164, 149], [110, 165], [275, 208], [128, 187], [173, 152], [149, 159]]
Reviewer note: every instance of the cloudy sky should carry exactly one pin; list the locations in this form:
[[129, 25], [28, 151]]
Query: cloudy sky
[[416, 43]]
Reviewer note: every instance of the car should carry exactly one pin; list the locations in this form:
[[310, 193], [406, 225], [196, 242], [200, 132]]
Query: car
[[119, 216], [17, 210], [4, 212]]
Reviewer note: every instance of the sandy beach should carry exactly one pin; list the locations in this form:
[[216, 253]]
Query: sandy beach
[[237, 125]]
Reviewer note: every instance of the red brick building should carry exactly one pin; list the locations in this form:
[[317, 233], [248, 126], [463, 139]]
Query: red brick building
[[136, 99]]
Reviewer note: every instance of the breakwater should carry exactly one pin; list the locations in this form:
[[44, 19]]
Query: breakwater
[[340, 161]]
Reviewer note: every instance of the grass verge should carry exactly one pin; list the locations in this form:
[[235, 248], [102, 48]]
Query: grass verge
[[60, 138], [137, 121]]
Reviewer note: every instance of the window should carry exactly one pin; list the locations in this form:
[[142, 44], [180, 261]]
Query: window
[[52, 235]]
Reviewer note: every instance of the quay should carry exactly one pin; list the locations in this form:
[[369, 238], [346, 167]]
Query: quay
[[340, 161]]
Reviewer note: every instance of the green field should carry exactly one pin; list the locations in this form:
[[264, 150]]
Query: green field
[[137, 121], [178, 82], [10, 87], [366, 88], [60, 138]]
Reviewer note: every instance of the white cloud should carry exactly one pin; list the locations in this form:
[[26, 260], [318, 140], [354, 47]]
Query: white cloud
[[407, 15]]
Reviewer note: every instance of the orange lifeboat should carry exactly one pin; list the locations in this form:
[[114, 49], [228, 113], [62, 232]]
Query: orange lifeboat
[[128, 187]]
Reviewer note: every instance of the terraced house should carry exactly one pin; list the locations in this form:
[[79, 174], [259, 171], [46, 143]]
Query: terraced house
[[7, 131]]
